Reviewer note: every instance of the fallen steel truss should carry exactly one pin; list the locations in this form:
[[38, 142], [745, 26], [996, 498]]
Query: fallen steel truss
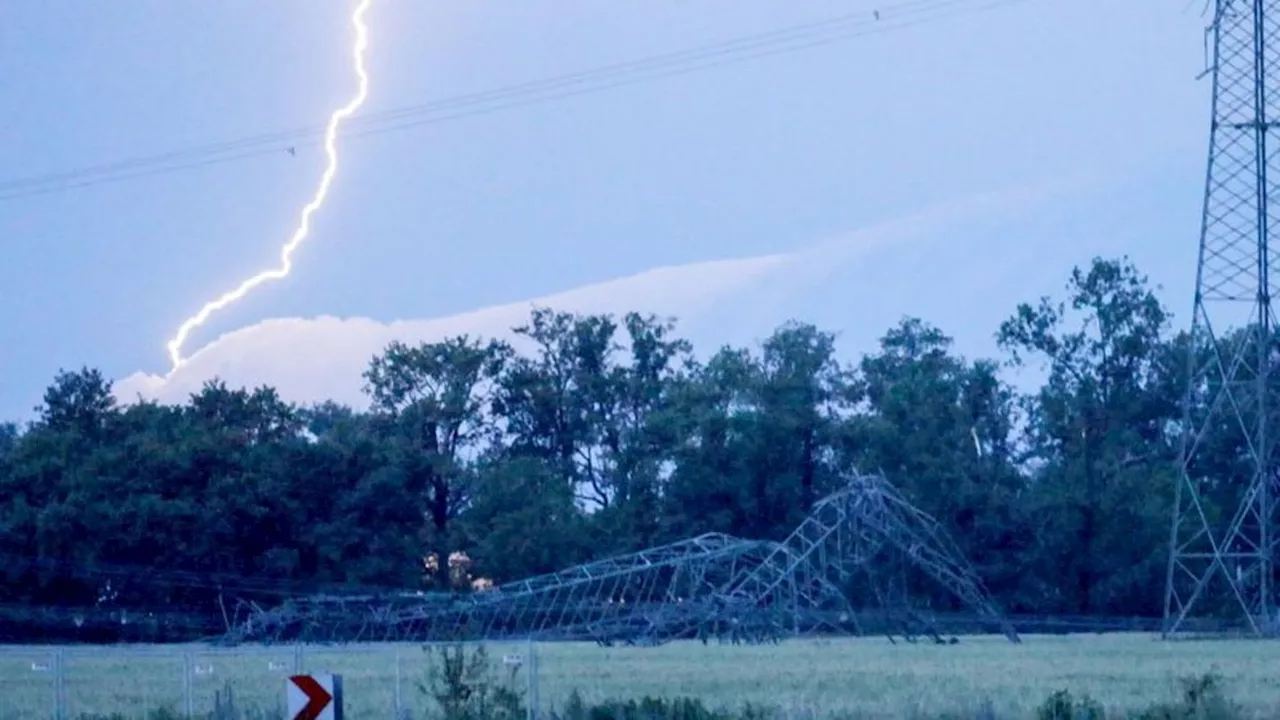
[[711, 586]]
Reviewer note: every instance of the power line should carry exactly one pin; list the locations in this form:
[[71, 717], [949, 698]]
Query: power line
[[785, 40], [526, 93]]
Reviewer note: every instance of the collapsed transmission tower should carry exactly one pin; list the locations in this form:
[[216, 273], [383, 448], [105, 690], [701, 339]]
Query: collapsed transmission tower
[[710, 586], [1223, 538]]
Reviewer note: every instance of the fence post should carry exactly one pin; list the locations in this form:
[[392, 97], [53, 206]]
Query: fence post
[[399, 701], [59, 685], [188, 685], [531, 677]]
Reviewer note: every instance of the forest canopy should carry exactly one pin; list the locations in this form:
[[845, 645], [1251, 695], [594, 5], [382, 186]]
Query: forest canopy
[[609, 437]]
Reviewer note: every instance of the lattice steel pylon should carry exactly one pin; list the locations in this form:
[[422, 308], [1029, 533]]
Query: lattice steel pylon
[[1222, 541], [709, 586]]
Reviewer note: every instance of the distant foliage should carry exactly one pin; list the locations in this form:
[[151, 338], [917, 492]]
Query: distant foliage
[[1062, 705], [463, 684], [226, 707], [605, 435], [1203, 698], [650, 708]]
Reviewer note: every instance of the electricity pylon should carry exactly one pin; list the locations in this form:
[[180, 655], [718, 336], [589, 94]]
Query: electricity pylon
[[1223, 538]]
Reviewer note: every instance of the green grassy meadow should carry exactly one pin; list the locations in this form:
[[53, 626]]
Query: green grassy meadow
[[862, 676]]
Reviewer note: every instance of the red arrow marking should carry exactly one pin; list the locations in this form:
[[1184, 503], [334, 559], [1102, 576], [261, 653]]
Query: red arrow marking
[[317, 697]]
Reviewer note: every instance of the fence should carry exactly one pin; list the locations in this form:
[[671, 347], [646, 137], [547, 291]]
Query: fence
[[384, 681], [379, 681]]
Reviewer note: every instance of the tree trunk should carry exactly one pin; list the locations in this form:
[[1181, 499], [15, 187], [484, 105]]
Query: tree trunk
[[436, 488], [807, 472], [439, 514], [1088, 523]]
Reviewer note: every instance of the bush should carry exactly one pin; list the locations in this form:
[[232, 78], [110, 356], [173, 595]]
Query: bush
[[1202, 699], [647, 708], [225, 708], [161, 713], [468, 688], [1063, 706]]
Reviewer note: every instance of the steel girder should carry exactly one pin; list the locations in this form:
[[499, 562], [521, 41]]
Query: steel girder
[[709, 586]]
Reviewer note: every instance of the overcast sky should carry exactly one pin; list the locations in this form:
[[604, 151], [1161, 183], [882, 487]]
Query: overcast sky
[[948, 170]]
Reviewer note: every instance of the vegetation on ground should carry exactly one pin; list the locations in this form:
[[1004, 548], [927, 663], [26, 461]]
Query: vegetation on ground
[[837, 678], [465, 684]]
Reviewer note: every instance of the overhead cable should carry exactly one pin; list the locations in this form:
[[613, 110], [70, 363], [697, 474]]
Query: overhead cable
[[785, 40]]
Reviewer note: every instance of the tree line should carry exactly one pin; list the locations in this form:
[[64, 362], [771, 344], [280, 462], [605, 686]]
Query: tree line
[[589, 435]]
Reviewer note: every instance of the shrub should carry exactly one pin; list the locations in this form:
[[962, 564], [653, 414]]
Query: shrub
[[646, 708], [468, 688], [1202, 699], [1063, 706], [225, 708], [161, 713]]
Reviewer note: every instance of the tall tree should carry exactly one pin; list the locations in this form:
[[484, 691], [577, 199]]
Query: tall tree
[[433, 403], [757, 434], [712, 425], [555, 401], [79, 402], [942, 428], [588, 406], [8, 438], [1098, 436], [605, 436], [522, 521], [805, 392], [635, 439]]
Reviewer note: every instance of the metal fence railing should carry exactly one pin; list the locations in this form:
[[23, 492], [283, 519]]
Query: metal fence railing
[[379, 680], [385, 680]]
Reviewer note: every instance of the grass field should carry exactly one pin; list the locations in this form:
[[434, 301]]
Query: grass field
[[866, 676]]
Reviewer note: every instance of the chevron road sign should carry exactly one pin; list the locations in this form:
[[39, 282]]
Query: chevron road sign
[[314, 697]]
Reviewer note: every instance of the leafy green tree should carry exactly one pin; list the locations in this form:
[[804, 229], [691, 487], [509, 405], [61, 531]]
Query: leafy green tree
[[603, 435], [59, 489], [589, 408], [633, 434], [756, 435], [8, 439], [1097, 438], [555, 401], [804, 393], [79, 402], [433, 404], [714, 427], [522, 521], [943, 429]]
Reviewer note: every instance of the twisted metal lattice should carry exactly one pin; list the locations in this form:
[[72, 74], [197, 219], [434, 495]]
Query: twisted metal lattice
[[710, 586]]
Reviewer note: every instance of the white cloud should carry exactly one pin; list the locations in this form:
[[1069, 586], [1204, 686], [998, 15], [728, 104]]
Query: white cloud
[[322, 358], [314, 359]]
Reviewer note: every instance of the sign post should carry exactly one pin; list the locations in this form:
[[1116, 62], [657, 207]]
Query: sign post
[[313, 697]]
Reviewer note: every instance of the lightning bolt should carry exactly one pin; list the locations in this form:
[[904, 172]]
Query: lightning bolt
[[304, 223]]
